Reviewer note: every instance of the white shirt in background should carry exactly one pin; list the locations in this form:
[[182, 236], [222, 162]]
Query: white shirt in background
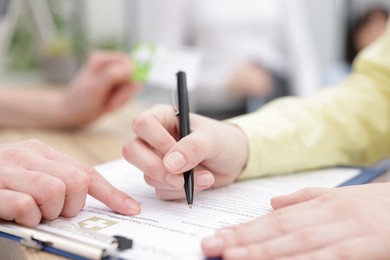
[[231, 33]]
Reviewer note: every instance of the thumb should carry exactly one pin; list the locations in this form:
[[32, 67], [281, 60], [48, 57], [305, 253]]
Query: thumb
[[188, 152], [298, 197]]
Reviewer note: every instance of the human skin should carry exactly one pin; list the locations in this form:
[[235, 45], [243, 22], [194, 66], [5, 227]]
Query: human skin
[[217, 151], [314, 223], [251, 80], [101, 86], [38, 182]]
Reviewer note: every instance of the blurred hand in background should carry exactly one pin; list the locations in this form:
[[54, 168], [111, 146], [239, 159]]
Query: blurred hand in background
[[102, 85]]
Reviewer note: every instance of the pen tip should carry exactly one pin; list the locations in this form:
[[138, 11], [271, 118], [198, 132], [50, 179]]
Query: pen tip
[[190, 206]]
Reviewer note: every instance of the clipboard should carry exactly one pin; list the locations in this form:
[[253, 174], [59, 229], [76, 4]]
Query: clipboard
[[366, 175], [103, 247]]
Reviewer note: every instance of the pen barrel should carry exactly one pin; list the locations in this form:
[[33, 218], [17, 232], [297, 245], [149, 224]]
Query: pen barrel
[[184, 118], [189, 187], [184, 126]]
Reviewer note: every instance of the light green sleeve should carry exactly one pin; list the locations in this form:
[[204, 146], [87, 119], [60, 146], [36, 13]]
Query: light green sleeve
[[343, 125]]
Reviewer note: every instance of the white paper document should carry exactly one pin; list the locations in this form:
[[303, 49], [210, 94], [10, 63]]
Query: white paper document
[[169, 229]]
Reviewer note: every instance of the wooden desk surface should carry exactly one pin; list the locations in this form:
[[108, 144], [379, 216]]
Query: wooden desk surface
[[100, 142]]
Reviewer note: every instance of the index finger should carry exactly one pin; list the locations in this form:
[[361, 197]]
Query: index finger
[[157, 127], [99, 187], [115, 199]]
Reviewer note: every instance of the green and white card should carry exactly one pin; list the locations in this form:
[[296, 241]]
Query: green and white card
[[157, 64]]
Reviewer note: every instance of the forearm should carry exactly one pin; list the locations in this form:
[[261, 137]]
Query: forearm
[[31, 108], [336, 129], [348, 124]]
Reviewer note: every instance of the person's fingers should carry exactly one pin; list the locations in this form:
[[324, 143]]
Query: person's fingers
[[19, 207], [110, 78], [274, 224], [37, 147], [157, 127], [106, 193], [295, 243], [298, 197], [189, 152], [115, 199], [144, 158], [203, 180], [47, 191], [121, 95], [172, 182], [76, 183], [357, 248], [175, 194], [100, 59]]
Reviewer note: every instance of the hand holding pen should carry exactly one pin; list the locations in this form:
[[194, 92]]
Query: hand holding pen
[[216, 151]]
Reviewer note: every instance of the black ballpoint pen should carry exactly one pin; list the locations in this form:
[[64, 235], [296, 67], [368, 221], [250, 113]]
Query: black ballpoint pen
[[184, 124]]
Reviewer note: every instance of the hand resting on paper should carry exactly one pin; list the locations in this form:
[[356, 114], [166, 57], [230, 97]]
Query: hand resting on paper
[[314, 223], [217, 150], [37, 182]]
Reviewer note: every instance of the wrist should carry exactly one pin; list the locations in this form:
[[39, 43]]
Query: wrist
[[63, 112], [239, 148]]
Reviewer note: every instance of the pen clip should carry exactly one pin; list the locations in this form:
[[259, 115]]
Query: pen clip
[[174, 101]]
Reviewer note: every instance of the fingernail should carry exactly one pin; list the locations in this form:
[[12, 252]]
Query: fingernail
[[175, 180], [214, 242], [237, 253], [175, 161], [133, 206], [205, 180]]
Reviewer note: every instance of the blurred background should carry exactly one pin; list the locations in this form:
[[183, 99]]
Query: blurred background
[[48, 40]]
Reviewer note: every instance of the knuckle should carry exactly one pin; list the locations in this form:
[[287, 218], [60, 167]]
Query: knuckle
[[279, 221], [79, 180], [23, 205], [140, 122], [338, 207], [54, 190], [13, 154]]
